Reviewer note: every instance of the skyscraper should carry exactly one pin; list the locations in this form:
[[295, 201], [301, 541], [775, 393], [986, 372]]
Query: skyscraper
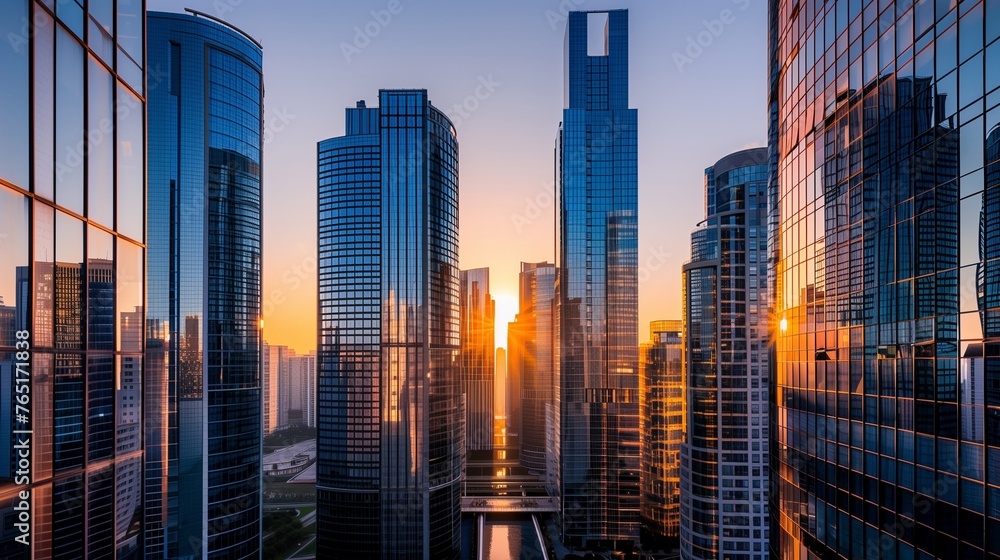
[[724, 454], [271, 360], [72, 261], [203, 465], [597, 286], [882, 234], [530, 343], [477, 357], [661, 420], [301, 389], [390, 461]]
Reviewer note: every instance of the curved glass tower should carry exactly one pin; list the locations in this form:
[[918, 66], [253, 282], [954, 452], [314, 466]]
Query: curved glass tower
[[391, 422], [203, 468], [724, 455], [72, 265], [886, 407]]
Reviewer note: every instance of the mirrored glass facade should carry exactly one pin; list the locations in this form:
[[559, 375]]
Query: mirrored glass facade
[[391, 422], [71, 279], [597, 287], [661, 419], [203, 467], [724, 455], [886, 409], [477, 357]]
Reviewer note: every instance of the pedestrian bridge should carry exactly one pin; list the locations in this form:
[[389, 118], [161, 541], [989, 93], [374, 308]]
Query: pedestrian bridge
[[510, 504]]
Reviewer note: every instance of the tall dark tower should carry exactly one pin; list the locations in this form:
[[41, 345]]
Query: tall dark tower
[[597, 286], [203, 464], [390, 418]]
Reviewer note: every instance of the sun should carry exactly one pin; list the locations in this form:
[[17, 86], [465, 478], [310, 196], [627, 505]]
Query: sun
[[506, 310]]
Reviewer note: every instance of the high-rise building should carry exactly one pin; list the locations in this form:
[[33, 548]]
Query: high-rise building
[[477, 357], [203, 464], [500, 386], [72, 262], [661, 421], [724, 454], [390, 456], [301, 389], [885, 406], [272, 358], [597, 286], [530, 343]]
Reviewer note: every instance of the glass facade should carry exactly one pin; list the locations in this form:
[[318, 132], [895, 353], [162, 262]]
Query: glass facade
[[530, 361], [597, 287], [886, 409], [203, 465], [391, 422], [477, 357], [72, 257], [661, 420], [724, 455]]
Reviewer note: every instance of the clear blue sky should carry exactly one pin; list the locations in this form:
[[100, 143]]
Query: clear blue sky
[[692, 111]]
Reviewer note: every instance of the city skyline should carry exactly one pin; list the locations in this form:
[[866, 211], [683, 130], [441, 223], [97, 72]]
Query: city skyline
[[520, 45]]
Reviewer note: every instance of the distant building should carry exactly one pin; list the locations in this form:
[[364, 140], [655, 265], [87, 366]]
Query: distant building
[[530, 342], [477, 357], [272, 359], [661, 423], [390, 456], [301, 385]]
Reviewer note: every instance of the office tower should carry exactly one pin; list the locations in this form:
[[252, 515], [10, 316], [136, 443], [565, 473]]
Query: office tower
[[882, 236], [477, 357], [390, 461], [203, 464], [724, 453], [597, 286], [301, 384], [270, 367], [72, 223], [500, 386], [530, 343], [661, 421]]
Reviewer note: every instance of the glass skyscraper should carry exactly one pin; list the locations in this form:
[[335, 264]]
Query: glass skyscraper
[[530, 359], [72, 262], [724, 455], [477, 356], [886, 402], [597, 286], [203, 461], [391, 424], [661, 418]]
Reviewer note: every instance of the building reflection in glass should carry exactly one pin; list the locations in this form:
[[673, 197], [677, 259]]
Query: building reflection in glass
[[882, 235], [390, 419], [72, 223]]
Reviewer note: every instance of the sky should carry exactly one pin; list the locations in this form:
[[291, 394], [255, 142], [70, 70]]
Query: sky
[[697, 77]]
